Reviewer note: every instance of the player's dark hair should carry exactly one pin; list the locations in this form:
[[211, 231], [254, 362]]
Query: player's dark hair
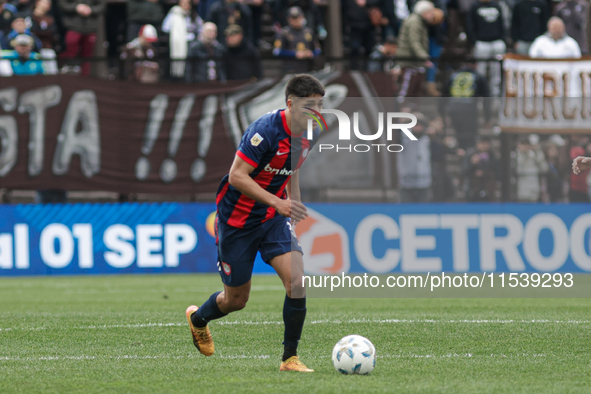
[[303, 85]]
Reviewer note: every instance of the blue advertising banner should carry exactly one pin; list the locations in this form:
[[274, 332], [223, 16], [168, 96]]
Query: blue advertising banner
[[106, 238], [383, 238], [74, 239]]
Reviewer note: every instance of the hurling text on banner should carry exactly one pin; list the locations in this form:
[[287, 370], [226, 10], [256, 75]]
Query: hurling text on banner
[[546, 95]]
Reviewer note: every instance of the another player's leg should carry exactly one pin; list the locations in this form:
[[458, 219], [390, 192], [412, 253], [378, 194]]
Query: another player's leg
[[217, 306], [289, 267]]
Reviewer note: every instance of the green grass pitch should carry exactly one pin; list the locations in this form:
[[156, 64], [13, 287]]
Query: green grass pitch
[[128, 334]]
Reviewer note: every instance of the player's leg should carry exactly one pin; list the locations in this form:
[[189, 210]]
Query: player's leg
[[237, 250], [289, 267], [220, 304]]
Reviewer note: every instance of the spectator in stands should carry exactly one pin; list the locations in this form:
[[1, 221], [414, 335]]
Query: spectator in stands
[[256, 9], [207, 57], [183, 24], [485, 29], [528, 22], [464, 88], [19, 26], [21, 60], [140, 13], [81, 18], [531, 169], [413, 43], [578, 183], [296, 41], [382, 58], [555, 174], [138, 55], [414, 164], [243, 60], [575, 15], [361, 18], [555, 44], [437, 37], [43, 25], [7, 12], [441, 146], [229, 12], [480, 170], [311, 12]]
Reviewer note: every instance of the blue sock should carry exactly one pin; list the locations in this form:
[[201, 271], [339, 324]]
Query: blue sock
[[207, 312], [294, 314]]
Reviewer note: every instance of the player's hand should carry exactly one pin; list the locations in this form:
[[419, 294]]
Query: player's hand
[[298, 211], [290, 208], [580, 164]]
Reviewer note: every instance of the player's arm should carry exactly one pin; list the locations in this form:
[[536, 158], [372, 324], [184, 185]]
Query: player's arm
[[293, 187], [581, 163], [241, 180], [293, 193]]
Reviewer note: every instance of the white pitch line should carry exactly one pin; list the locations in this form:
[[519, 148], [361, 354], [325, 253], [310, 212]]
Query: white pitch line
[[350, 321], [260, 357]]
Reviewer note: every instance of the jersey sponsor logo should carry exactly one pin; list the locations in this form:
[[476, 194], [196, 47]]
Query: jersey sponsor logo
[[278, 171], [256, 139], [227, 269], [325, 244], [282, 153]]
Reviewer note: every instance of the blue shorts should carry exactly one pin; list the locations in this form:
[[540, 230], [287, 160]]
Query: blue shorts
[[238, 247]]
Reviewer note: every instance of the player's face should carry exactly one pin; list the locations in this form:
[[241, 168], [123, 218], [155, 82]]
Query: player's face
[[301, 109]]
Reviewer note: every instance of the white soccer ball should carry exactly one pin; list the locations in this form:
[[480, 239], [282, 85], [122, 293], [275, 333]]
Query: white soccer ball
[[354, 355]]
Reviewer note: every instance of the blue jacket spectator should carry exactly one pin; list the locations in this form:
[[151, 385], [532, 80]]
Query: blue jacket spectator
[[22, 60], [19, 26]]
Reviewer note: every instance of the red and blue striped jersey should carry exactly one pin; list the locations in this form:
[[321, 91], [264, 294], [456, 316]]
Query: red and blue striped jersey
[[267, 145]]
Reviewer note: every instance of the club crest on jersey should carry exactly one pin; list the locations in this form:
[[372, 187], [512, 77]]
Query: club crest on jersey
[[256, 139], [226, 268]]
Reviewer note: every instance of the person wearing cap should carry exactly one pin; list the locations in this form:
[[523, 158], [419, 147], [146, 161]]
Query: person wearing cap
[[206, 57], [382, 58], [296, 41], [20, 25], [243, 60], [312, 13], [21, 60], [138, 55], [81, 19], [231, 12]]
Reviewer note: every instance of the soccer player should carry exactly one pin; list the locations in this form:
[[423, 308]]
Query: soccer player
[[580, 164], [258, 202]]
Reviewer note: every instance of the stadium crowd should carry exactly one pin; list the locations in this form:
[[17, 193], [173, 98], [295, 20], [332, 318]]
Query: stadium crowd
[[209, 40], [378, 30]]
